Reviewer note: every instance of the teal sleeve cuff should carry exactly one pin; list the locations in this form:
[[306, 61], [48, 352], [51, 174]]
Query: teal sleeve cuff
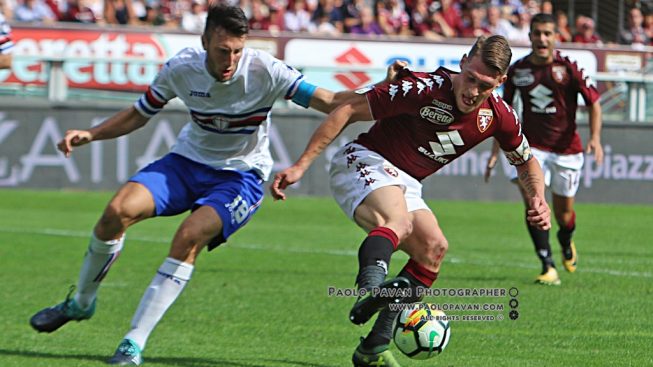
[[304, 94]]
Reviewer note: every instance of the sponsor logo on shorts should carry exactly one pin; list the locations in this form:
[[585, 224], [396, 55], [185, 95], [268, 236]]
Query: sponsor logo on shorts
[[369, 181], [351, 159], [391, 171], [364, 173], [350, 149]]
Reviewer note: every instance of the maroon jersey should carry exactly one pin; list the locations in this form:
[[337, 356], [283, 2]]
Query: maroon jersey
[[419, 128], [549, 95]]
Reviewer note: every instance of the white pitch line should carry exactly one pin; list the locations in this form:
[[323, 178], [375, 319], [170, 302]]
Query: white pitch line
[[255, 247]]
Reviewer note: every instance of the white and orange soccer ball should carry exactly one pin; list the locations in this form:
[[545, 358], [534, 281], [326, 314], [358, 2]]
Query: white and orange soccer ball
[[421, 331]]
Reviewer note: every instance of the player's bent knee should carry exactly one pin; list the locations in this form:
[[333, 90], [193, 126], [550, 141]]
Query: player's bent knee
[[563, 217], [187, 244], [117, 213], [435, 250], [110, 223]]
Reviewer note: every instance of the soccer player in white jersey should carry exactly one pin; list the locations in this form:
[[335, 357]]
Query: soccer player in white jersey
[[216, 168]]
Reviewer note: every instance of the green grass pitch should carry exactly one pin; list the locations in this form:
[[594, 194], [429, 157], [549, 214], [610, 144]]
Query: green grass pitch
[[261, 300]]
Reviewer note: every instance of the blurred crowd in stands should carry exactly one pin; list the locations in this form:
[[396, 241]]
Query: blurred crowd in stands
[[433, 19]]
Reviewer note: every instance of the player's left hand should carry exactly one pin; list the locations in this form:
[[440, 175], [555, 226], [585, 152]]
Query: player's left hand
[[595, 147], [538, 213], [394, 69], [284, 179], [491, 162]]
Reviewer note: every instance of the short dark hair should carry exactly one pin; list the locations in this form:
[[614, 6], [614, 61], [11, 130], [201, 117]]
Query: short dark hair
[[494, 52], [542, 18], [230, 18]]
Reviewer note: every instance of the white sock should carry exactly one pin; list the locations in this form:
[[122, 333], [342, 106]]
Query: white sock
[[170, 280], [97, 261]]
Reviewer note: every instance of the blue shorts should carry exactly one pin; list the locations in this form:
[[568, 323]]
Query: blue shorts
[[178, 184]]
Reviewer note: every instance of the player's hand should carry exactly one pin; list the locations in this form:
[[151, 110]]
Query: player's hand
[[491, 162], [595, 147], [284, 179], [538, 213], [74, 138], [394, 69]]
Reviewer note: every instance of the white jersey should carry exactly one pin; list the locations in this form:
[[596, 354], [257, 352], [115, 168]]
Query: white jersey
[[230, 120], [6, 44]]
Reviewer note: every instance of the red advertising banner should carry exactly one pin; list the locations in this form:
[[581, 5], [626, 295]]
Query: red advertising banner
[[94, 59], [124, 59]]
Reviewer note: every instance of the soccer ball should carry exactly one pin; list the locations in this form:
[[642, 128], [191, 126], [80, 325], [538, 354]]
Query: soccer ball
[[421, 331]]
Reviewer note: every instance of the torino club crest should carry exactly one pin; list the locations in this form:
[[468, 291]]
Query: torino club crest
[[484, 119], [390, 170], [559, 73]]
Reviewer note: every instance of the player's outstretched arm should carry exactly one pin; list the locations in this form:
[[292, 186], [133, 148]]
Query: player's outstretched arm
[[355, 110], [5, 61], [531, 180], [594, 143], [326, 101], [491, 161], [120, 124]]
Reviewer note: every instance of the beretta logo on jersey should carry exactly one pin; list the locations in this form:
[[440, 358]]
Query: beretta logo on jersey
[[437, 113], [559, 73], [523, 77], [484, 119]]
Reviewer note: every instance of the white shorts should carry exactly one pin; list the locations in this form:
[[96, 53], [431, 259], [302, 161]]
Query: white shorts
[[356, 171], [561, 171]]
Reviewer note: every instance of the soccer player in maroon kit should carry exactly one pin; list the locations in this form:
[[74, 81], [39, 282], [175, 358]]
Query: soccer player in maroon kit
[[547, 84], [423, 122]]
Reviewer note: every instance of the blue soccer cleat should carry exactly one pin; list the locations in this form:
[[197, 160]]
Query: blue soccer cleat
[[52, 318], [127, 354]]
